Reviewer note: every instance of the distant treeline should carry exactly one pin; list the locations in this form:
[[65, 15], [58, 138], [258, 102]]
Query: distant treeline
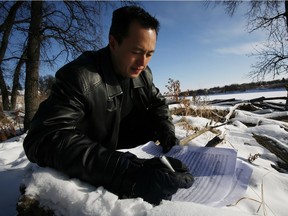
[[281, 83]]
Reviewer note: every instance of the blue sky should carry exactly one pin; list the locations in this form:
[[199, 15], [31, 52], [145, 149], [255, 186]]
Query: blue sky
[[199, 46]]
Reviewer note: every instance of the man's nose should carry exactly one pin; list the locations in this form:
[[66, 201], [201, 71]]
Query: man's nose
[[142, 60]]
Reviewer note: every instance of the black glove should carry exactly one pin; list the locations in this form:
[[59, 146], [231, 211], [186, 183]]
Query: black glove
[[151, 180], [168, 141]]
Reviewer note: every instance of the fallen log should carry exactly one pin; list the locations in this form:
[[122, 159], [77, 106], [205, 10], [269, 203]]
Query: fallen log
[[275, 98], [256, 99], [272, 106], [276, 103], [216, 101], [272, 146]]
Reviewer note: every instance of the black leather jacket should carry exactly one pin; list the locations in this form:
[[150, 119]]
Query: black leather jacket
[[76, 129]]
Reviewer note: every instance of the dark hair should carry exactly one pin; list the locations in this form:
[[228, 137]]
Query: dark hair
[[124, 16]]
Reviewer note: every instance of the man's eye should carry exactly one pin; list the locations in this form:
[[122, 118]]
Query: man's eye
[[149, 54], [136, 52]]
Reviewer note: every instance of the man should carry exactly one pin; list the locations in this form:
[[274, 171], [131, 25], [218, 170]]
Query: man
[[104, 101]]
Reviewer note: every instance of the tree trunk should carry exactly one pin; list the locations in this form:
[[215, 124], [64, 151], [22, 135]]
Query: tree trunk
[[6, 28], [32, 62], [286, 14], [286, 105], [16, 76], [4, 91]]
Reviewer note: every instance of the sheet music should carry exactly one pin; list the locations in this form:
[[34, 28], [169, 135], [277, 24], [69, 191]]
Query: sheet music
[[220, 179]]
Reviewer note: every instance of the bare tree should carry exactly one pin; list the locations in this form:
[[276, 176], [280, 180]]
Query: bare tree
[[32, 62], [5, 29], [271, 16], [66, 29], [16, 78], [286, 104], [273, 56]]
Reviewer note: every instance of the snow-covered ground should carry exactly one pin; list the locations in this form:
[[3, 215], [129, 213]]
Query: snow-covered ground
[[267, 192]]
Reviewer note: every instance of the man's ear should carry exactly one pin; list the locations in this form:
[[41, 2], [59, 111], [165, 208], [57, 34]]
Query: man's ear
[[112, 42]]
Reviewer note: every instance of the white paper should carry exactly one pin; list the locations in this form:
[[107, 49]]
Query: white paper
[[220, 179]]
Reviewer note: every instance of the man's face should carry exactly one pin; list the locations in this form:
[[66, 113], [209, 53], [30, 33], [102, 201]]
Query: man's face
[[132, 56]]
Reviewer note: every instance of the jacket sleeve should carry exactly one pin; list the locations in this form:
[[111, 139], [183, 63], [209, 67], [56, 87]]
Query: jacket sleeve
[[53, 139], [158, 109]]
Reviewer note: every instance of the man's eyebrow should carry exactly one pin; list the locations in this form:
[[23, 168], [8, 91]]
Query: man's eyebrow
[[143, 50]]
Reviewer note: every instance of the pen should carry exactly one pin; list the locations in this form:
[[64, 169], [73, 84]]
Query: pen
[[164, 160]]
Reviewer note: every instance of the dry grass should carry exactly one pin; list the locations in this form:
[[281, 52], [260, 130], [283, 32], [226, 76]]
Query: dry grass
[[11, 121], [28, 206], [205, 112], [261, 202], [252, 158], [200, 108], [7, 130]]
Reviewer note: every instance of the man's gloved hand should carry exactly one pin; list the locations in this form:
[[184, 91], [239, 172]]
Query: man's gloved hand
[[153, 181], [168, 141]]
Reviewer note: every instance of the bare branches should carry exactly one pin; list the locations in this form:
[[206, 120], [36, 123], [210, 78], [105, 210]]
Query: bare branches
[[273, 56], [271, 16], [74, 25], [230, 6], [6, 28], [68, 28]]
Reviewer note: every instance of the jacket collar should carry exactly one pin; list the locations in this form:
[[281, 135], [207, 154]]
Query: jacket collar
[[112, 85], [138, 82]]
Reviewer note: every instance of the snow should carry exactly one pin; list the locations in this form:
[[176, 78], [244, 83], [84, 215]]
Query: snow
[[251, 94], [267, 192]]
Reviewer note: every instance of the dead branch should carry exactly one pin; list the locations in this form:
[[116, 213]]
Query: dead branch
[[213, 142], [187, 139], [228, 116]]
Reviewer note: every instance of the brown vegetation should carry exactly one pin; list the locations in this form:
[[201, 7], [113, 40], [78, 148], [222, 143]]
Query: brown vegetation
[[27, 206], [11, 122]]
